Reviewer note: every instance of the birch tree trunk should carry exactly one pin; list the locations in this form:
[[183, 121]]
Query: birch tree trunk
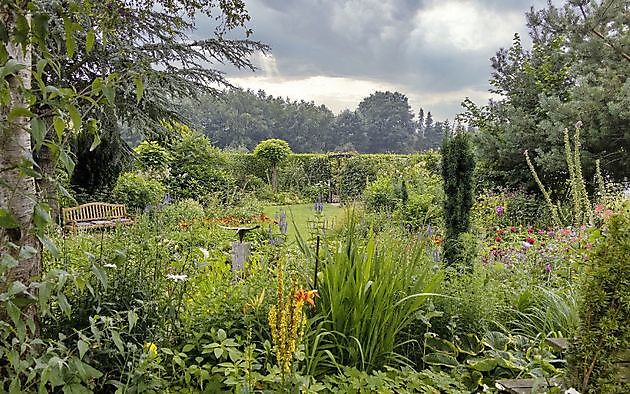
[[17, 189]]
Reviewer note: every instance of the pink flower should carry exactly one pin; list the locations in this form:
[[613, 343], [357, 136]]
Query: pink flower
[[500, 210], [548, 268], [498, 239], [513, 229], [578, 124]]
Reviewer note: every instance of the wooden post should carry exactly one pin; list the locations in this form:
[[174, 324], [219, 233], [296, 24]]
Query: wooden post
[[240, 254]]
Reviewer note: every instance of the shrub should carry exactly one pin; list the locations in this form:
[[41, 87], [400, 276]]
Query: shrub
[[154, 158], [137, 190], [199, 170], [458, 165], [273, 151], [380, 195], [605, 312]]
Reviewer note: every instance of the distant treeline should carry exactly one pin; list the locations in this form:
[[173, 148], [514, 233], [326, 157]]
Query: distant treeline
[[383, 122]]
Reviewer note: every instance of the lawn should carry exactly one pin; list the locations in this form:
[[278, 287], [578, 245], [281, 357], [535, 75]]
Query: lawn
[[302, 216]]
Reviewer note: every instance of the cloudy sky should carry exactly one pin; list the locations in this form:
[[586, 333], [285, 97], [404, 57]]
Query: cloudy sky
[[336, 52]]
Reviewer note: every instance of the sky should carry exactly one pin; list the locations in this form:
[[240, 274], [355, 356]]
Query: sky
[[337, 52]]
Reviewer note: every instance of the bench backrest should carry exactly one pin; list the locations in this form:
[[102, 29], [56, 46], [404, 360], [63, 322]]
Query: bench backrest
[[94, 211]]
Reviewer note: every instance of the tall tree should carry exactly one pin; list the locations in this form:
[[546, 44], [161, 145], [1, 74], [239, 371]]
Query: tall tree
[[388, 122], [147, 49], [17, 183], [576, 71]]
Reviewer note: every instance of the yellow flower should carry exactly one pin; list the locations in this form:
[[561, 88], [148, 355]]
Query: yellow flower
[[151, 349]]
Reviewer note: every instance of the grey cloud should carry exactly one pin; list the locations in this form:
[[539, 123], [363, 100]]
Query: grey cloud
[[371, 39]]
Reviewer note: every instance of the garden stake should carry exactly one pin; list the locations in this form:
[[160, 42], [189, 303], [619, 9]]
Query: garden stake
[[316, 262]]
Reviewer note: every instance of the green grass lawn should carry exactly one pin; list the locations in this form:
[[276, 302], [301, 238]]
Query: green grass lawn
[[301, 214]]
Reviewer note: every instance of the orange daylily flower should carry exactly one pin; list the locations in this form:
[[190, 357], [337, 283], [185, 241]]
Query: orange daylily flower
[[306, 296]]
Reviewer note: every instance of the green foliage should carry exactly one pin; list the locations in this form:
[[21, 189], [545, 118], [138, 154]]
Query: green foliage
[[137, 190], [354, 176], [199, 170], [479, 362], [383, 123], [576, 70], [457, 170], [380, 195], [370, 290], [153, 157], [273, 151], [603, 336]]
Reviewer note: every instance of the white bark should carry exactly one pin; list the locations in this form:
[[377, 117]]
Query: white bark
[[17, 190]]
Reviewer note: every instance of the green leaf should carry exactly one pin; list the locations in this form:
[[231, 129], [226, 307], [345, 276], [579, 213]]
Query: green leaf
[[67, 162], [59, 126], [132, 318], [18, 112], [63, 304], [75, 116], [49, 245], [89, 41], [13, 311], [97, 85], [100, 274], [83, 347], [109, 93], [76, 388], [7, 261], [118, 342], [188, 348], [39, 23], [41, 216], [7, 220], [440, 359], [139, 88], [38, 131], [17, 287], [11, 68], [483, 365], [71, 42], [96, 142]]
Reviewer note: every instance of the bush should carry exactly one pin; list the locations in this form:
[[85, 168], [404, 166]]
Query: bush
[[605, 312], [153, 158], [380, 195], [199, 170], [136, 190], [458, 165]]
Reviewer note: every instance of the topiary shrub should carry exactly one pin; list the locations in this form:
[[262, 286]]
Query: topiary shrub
[[603, 336], [458, 165], [273, 151], [137, 190]]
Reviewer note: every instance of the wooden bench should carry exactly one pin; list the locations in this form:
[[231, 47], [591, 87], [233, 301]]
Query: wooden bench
[[94, 215]]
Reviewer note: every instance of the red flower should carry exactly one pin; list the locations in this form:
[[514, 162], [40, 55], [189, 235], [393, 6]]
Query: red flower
[[498, 239], [530, 240]]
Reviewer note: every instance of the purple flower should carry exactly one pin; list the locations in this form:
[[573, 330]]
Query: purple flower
[[578, 124], [548, 268], [499, 210]]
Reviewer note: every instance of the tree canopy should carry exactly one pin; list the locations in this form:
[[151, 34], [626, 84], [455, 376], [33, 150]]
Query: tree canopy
[[576, 70]]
